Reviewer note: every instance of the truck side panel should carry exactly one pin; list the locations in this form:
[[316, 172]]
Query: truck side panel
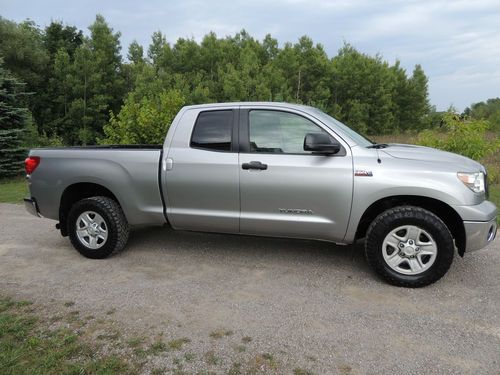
[[130, 174]]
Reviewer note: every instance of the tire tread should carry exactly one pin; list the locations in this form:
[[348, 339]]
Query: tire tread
[[373, 244], [119, 223]]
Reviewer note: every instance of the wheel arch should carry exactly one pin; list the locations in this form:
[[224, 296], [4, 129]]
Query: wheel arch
[[439, 208], [78, 191]]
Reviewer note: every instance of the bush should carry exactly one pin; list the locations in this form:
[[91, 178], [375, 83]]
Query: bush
[[33, 139], [145, 120], [462, 136]]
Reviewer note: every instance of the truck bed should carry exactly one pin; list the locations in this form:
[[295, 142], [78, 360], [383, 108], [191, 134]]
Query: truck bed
[[130, 172]]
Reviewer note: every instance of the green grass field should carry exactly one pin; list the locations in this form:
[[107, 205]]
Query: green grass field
[[13, 190], [29, 346]]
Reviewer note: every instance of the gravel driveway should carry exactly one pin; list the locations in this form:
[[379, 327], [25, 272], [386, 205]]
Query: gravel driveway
[[312, 305]]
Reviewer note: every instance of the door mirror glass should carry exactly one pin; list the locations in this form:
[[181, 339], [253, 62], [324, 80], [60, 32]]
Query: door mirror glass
[[321, 143]]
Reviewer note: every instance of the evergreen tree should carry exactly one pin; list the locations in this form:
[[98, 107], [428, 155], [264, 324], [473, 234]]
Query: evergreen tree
[[58, 37], [97, 83], [25, 56], [61, 42], [418, 90], [77, 80], [135, 53], [13, 124]]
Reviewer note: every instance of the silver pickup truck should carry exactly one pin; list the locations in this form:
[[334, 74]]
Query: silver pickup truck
[[271, 169]]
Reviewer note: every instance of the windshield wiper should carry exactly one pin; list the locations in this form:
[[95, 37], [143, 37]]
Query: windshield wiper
[[378, 145]]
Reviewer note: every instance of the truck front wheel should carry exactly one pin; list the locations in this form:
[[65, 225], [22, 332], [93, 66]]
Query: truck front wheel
[[409, 246], [97, 227]]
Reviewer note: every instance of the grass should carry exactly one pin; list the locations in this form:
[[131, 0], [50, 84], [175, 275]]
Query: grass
[[178, 343], [13, 190], [262, 363], [301, 371], [240, 348], [345, 369], [220, 333], [158, 347], [27, 346], [31, 343], [235, 369], [246, 339], [135, 342], [211, 358]]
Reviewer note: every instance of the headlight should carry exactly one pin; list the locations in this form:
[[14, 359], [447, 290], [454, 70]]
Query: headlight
[[474, 181]]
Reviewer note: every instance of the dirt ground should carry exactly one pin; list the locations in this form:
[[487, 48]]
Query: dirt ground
[[300, 305]]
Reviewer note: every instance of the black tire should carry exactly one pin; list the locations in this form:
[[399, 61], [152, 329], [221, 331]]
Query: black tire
[[115, 222], [409, 215]]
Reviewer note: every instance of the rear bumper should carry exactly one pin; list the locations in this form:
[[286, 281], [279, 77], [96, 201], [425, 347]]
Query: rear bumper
[[479, 234], [31, 206]]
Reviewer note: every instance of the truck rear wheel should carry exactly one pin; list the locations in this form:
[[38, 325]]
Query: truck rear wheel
[[97, 227], [409, 246]]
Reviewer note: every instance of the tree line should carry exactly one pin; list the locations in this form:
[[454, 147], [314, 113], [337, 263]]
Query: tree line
[[79, 89], [488, 110]]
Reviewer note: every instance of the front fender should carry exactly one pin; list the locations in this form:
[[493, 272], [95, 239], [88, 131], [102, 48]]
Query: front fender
[[395, 177]]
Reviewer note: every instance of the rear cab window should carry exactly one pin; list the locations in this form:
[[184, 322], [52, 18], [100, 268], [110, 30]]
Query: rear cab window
[[213, 131]]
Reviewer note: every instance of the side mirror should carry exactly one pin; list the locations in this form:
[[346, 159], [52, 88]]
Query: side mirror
[[321, 143]]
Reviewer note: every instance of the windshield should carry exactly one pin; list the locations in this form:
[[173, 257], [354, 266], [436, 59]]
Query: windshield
[[333, 124]]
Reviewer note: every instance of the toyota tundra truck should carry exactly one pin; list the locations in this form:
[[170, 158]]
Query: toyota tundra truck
[[271, 169]]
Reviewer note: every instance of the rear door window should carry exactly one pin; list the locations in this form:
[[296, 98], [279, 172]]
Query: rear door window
[[213, 131]]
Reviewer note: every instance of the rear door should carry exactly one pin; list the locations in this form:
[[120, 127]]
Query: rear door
[[202, 172], [286, 191]]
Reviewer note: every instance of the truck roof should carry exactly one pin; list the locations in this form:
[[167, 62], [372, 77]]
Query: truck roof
[[237, 104]]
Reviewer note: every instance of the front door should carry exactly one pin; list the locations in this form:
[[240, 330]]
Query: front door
[[286, 191]]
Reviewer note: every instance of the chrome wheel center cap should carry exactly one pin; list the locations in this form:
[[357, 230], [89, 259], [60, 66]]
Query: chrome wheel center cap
[[93, 228], [409, 251]]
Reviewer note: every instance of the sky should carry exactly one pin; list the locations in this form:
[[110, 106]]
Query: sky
[[457, 42]]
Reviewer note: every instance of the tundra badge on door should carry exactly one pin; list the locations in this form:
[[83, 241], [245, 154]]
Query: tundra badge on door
[[302, 211]]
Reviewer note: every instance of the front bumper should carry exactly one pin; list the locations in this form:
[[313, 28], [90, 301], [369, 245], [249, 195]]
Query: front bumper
[[479, 224], [31, 206], [478, 234]]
